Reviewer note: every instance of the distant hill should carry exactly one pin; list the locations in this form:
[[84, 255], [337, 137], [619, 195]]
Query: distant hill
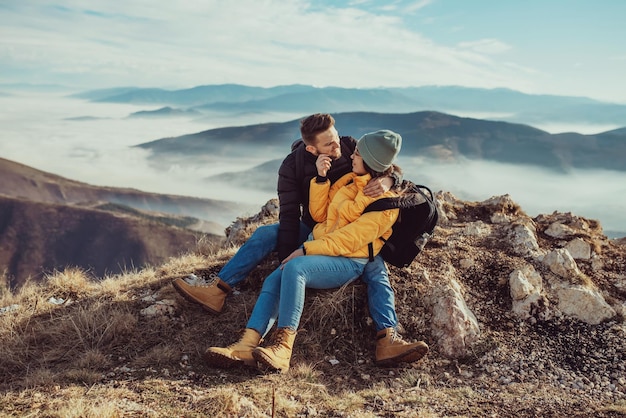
[[266, 138], [164, 112], [105, 94], [192, 96], [25, 182], [48, 222], [38, 238], [84, 118], [508, 105], [330, 99], [433, 134], [261, 177]]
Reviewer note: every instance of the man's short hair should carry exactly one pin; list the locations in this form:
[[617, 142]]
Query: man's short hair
[[313, 125]]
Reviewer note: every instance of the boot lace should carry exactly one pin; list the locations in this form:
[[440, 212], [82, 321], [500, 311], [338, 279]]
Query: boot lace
[[278, 338], [235, 344], [194, 280], [396, 338]]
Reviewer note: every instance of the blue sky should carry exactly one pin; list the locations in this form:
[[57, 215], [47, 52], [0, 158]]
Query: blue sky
[[564, 47]]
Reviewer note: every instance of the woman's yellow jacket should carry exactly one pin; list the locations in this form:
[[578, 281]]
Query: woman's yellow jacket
[[341, 229]]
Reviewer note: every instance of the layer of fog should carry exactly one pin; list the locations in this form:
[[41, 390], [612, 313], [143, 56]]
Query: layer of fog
[[93, 143], [97, 149], [595, 194]]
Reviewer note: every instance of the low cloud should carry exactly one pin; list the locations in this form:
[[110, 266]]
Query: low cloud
[[98, 150], [595, 194], [486, 46]]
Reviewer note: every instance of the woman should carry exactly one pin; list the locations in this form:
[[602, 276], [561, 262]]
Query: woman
[[336, 254]]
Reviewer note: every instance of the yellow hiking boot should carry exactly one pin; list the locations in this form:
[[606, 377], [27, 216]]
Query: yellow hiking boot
[[236, 354], [276, 357], [210, 293], [391, 349]]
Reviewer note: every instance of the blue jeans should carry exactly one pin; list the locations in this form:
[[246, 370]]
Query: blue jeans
[[253, 251], [283, 292]]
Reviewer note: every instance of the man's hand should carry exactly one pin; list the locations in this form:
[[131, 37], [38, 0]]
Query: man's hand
[[323, 164], [296, 253], [377, 186]]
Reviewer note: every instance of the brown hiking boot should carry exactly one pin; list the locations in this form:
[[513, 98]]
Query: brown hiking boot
[[391, 349], [210, 293], [237, 354], [276, 357]]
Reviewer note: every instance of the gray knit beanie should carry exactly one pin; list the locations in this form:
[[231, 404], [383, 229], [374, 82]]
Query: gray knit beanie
[[379, 149]]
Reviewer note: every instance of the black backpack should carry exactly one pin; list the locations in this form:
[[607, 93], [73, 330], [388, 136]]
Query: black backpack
[[414, 226]]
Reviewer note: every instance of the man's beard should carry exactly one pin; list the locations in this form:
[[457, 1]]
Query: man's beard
[[336, 157]]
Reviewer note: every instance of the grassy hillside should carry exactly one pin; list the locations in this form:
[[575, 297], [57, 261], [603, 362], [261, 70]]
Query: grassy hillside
[[130, 346], [39, 238]]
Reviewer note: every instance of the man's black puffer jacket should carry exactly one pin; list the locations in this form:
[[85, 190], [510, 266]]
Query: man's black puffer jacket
[[293, 190]]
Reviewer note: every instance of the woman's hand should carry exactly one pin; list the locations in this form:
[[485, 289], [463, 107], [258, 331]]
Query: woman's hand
[[323, 164], [377, 186], [296, 253]]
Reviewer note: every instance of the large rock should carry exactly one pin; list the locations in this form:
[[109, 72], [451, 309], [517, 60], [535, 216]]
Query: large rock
[[453, 324], [561, 263], [523, 239], [540, 268], [579, 249], [526, 287], [584, 303]]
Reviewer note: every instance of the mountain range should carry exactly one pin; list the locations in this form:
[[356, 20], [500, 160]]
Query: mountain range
[[503, 104], [425, 134]]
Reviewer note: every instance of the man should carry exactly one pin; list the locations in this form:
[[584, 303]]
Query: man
[[319, 136]]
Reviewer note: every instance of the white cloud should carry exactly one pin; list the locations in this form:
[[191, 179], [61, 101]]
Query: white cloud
[[486, 46], [37, 132], [416, 5], [104, 43], [264, 43]]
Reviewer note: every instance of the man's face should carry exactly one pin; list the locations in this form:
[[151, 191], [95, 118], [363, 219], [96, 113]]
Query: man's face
[[327, 143]]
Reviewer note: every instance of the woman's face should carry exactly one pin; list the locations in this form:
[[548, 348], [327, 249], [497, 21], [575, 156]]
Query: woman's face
[[357, 163]]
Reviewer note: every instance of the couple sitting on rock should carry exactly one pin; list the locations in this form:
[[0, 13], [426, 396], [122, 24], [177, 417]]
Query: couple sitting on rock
[[322, 240]]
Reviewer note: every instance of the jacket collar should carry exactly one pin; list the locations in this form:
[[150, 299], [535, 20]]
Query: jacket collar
[[361, 181]]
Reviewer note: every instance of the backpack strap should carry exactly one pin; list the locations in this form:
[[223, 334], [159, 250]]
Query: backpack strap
[[431, 198], [419, 188], [370, 248], [379, 205]]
